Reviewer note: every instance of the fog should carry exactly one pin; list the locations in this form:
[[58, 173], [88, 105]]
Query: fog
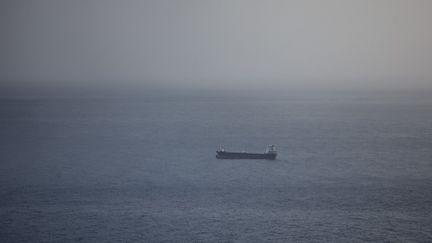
[[272, 45]]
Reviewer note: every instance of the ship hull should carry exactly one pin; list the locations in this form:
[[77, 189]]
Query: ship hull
[[243, 155]]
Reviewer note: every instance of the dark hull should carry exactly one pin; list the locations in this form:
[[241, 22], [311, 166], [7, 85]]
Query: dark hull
[[234, 155]]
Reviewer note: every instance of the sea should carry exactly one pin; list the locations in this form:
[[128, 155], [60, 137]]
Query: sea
[[350, 168]]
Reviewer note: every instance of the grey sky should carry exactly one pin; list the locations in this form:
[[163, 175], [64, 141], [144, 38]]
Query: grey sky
[[282, 44]]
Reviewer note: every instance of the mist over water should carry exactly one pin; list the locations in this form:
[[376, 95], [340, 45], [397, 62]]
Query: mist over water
[[278, 44], [348, 169]]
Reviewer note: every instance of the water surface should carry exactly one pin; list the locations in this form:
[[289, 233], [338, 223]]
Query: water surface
[[110, 170]]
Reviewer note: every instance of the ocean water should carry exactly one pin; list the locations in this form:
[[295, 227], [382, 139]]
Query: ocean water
[[124, 170]]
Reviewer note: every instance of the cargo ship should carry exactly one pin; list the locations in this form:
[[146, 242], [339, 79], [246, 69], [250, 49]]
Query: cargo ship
[[269, 154]]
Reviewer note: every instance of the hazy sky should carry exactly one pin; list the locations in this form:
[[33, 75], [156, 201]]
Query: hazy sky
[[277, 44]]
